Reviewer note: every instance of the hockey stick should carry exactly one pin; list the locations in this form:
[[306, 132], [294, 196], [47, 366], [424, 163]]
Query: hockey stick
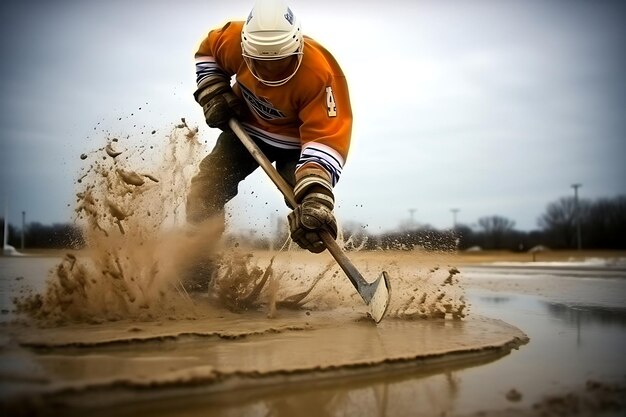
[[376, 294]]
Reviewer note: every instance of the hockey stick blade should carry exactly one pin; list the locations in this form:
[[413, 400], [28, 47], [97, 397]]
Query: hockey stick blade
[[377, 295]]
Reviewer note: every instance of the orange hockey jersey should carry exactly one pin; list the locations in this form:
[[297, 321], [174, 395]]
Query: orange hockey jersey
[[310, 112]]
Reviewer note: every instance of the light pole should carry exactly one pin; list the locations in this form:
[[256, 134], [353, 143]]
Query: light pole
[[23, 226], [454, 212], [577, 215], [412, 211]]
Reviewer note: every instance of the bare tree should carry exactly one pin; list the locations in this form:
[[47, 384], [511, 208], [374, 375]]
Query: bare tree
[[559, 221], [495, 230]]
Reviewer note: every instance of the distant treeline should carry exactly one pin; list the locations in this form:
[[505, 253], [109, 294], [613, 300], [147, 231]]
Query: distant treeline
[[602, 226], [40, 236]]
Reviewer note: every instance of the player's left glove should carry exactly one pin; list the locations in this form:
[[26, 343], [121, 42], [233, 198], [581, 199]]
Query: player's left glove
[[218, 102], [315, 213]]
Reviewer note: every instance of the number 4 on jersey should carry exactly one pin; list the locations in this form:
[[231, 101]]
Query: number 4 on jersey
[[330, 102]]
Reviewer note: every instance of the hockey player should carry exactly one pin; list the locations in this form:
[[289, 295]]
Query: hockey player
[[292, 98]]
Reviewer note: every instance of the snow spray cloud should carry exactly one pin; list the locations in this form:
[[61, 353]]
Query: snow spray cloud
[[130, 206]]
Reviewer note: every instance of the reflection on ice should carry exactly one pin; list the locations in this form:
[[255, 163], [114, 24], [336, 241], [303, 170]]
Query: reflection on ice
[[587, 314]]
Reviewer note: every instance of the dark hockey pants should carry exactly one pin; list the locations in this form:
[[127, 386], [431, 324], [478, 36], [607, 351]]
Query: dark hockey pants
[[224, 168]]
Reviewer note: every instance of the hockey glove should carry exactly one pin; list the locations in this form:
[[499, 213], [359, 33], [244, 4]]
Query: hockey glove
[[218, 102], [315, 213]]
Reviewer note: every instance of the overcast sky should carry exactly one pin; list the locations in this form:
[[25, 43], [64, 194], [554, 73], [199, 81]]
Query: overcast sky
[[491, 107]]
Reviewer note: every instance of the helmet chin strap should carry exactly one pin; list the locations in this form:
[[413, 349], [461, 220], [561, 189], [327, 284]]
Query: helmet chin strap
[[268, 83]]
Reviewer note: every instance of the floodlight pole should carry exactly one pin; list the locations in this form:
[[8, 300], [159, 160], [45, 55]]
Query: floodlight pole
[[577, 214], [5, 240], [454, 212], [412, 211], [23, 226]]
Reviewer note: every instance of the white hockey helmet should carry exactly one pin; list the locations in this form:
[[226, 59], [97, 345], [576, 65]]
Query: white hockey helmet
[[271, 33]]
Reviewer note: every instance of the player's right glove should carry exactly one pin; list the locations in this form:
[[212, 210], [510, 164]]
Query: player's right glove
[[314, 213], [218, 102]]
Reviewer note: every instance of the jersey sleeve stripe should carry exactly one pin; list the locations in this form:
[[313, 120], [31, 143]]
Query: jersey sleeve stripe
[[207, 67], [324, 156]]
